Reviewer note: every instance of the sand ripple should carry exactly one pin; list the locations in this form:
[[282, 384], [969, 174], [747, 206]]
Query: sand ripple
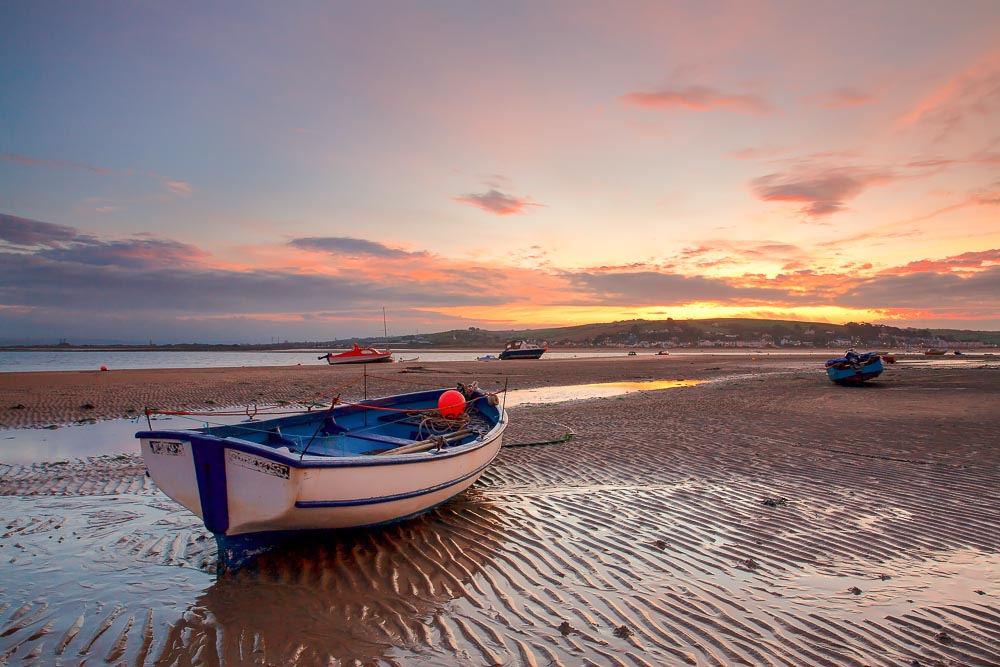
[[713, 525]]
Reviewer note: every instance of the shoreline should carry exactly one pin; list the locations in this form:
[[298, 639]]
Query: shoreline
[[63, 397], [38, 399]]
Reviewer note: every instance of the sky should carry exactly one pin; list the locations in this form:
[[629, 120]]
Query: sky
[[249, 172]]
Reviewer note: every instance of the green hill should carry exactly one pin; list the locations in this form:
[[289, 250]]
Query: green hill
[[691, 331], [623, 332]]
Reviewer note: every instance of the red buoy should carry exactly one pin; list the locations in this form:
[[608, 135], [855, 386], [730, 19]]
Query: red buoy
[[451, 404], [104, 368]]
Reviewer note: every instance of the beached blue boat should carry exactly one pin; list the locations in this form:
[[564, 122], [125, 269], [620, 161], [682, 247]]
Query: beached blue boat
[[258, 483], [854, 368], [520, 349]]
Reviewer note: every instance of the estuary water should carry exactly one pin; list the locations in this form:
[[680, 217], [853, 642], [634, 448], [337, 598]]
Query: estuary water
[[117, 436], [92, 360]]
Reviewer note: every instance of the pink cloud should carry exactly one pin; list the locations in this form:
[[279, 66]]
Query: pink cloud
[[973, 91], [842, 97], [751, 153], [496, 202], [989, 196], [696, 98], [60, 164], [180, 188], [823, 190]]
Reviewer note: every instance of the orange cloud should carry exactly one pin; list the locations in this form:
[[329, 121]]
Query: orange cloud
[[696, 98], [966, 263], [973, 91]]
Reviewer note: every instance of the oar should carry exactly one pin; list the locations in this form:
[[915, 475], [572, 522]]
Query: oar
[[422, 445]]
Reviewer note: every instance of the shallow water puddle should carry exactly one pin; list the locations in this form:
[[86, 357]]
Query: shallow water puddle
[[896, 586], [582, 391], [117, 436], [76, 441]]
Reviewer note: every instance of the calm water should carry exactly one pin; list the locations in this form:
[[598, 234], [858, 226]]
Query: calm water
[[89, 360], [67, 360], [117, 436]]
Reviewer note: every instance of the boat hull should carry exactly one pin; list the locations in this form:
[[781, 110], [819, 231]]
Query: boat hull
[[858, 375], [522, 354], [251, 495], [334, 360]]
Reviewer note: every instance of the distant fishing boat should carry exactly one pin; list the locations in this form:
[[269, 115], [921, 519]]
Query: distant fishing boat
[[258, 483], [854, 368], [362, 355], [358, 355], [520, 349]]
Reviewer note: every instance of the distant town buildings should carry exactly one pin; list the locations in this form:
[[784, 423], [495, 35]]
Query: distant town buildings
[[780, 335]]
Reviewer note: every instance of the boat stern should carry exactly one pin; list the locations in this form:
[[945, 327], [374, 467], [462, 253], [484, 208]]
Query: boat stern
[[170, 463], [233, 488]]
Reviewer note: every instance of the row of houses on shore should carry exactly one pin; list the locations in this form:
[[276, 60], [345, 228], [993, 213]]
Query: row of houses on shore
[[766, 341]]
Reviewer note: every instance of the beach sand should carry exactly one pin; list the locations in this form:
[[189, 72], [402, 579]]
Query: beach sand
[[764, 517]]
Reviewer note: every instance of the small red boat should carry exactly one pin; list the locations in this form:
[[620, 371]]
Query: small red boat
[[359, 355]]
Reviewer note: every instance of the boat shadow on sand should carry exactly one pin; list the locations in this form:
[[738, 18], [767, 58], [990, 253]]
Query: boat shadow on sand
[[354, 595], [129, 579]]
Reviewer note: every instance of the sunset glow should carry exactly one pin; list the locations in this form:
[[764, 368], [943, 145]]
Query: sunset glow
[[247, 172]]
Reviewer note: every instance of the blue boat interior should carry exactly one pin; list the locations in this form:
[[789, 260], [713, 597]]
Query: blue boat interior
[[352, 430]]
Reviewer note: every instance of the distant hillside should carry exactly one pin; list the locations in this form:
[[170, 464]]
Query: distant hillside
[[691, 331], [988, 337], [625, 332]]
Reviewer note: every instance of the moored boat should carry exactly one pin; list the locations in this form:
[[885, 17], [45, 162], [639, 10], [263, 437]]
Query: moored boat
[[854, 368], [935, 352], [522, 349], [358, 355], [258, 483]]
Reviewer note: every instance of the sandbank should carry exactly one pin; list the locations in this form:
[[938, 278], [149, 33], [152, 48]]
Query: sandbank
[[764, 517]]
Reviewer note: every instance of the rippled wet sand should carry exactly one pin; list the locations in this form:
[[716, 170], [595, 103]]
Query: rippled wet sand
[[769, 520]]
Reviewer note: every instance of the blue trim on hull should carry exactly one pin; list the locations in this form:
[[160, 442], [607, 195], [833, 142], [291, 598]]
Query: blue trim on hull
[[307, 504], [210, 470], [522, 354], [852, 376], [236, 551]]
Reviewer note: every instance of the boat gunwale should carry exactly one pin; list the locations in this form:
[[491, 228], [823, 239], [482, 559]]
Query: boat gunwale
[[307, 460], [379, 500], [323, 461]]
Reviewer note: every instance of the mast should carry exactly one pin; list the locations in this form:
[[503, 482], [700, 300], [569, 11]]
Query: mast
[[385, 330]]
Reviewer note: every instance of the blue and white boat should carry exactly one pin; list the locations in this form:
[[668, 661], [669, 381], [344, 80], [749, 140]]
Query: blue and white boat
[[854, 368], [379, 461], [521, 349]]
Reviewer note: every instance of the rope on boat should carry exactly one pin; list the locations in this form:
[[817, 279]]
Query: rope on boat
[[433, 422], [566, 438]]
